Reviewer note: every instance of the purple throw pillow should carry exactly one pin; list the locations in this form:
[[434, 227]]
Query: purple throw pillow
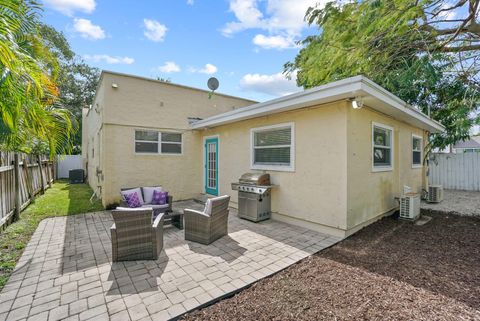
[[133, 200], [159, 197]]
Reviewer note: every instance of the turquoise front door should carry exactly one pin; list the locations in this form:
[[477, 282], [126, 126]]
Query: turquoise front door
[[211, 166]]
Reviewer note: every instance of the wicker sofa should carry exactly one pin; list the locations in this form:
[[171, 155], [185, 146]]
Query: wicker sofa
[[211, 224], [156, 208], [134, 237]]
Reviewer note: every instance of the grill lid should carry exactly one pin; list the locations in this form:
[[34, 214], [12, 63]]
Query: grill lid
[[255, 179]]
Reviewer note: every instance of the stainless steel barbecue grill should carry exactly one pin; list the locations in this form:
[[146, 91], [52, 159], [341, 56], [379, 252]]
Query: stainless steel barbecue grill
[[254, 202]]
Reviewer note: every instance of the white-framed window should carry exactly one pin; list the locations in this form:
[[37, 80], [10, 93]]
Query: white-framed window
[[171, 143], [154, 142], [417, 147], [382, 147], [273, 147]]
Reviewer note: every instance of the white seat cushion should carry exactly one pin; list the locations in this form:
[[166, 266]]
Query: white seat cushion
[[148, 193], [154, 206], [208, 207], [133, 209], [136, 190], [208, 204]]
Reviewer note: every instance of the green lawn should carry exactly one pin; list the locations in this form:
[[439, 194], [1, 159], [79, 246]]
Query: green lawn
[[60, 200]]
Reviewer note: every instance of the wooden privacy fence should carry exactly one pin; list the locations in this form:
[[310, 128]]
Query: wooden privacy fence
[[21, 178], [456, 171]]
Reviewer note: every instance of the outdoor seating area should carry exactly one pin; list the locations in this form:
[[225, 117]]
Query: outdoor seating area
[[67, 271]]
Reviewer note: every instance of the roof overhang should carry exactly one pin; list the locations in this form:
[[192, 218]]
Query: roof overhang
[[373, 95]]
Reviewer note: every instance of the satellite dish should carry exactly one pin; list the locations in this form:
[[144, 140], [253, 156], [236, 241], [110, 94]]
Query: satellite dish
[[213, 83]]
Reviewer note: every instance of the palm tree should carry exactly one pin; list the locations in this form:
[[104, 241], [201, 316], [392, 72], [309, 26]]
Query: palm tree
[[29, 106]]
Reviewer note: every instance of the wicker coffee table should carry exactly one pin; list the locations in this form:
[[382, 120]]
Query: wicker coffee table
[[174, 218]]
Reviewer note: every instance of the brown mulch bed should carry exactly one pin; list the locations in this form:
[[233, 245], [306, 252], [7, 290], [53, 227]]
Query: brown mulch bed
[[391, 270]]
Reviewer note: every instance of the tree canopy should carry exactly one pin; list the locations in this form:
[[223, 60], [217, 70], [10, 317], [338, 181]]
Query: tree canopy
[[30, 114], [43, 86], [424, 51], [77, 81]]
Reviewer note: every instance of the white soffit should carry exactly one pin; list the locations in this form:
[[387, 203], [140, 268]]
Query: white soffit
[[373, 95]]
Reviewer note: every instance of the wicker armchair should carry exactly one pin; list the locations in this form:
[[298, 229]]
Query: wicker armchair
[[134, 237], [209, 225]]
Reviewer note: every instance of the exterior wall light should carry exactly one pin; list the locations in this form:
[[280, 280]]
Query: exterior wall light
[[357, 102], [114, 85]]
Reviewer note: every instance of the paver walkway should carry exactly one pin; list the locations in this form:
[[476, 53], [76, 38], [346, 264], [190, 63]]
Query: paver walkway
[[66, 272]]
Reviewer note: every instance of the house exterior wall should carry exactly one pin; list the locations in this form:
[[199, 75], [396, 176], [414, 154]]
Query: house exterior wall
[[372, 194], [332, 187], [139, 103], [315, 193], [92, 140]]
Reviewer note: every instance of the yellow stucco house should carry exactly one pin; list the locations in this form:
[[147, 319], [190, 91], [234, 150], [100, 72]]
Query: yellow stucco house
[[337, 168]]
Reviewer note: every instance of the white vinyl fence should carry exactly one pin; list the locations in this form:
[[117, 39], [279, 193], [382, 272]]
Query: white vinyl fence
[[456, 171], [65, 163]]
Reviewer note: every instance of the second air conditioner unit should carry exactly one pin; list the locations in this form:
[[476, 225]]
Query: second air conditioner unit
[[435, 193], [410, 206]]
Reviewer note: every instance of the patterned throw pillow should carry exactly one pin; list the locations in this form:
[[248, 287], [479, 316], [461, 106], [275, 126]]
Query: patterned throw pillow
[[159, 197], [133, 200]]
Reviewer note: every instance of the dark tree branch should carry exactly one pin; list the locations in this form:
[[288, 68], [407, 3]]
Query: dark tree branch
[[458, 5], [459, 48]]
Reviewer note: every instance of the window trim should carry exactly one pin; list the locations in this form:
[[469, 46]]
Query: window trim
[[382, 168], [280, 168], [421, 151], [159, 142]]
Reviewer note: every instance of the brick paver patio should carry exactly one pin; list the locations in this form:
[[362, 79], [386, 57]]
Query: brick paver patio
[[66, 272]]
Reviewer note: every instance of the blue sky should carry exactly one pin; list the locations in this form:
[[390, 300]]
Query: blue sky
[[244, 43]]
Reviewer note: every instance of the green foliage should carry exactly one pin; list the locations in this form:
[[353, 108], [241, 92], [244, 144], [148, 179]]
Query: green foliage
[[62, 199], [77, 81], [29, 110], [386, 41]]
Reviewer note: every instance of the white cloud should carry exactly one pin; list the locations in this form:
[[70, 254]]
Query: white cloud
[[190, 2], [154, 30], [247, 14], [274, 85], [207, 69], [110, 59], [447, 14], [281, 18], [274, 42], [169, 67], [88, 30], [69, 7]]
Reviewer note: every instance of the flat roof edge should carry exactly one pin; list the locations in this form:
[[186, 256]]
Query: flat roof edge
[[341, 88], [170, 84]]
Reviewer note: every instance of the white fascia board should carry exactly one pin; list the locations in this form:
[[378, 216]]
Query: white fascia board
[[335, 91], [375, 90]]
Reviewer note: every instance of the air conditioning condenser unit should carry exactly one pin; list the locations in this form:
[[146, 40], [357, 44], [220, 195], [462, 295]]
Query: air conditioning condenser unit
[[435, 193], [410, 206]]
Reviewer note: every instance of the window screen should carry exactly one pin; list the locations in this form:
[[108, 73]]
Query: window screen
[[153, 142], [382, 146], [272, 146], [171, 143], [146, 141], [416, 150]]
